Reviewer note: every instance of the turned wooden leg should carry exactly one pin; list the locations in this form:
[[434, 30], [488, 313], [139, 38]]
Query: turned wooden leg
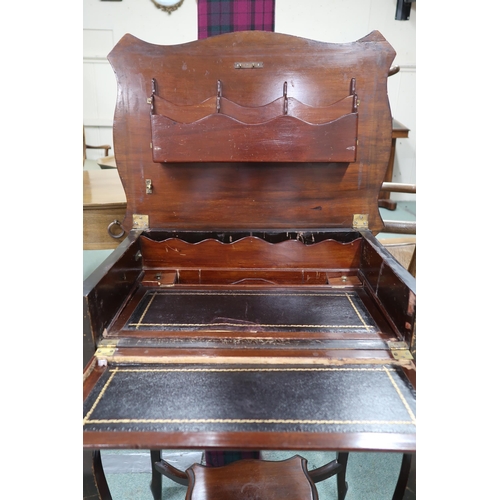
[[95, 486], [406, 485], [155, 475], [341, 482]]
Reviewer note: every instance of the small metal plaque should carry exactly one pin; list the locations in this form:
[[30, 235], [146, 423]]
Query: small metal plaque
[[140, 221], [248, 65]]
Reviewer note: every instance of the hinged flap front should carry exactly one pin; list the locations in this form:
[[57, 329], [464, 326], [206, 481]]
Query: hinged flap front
[[252, 130]]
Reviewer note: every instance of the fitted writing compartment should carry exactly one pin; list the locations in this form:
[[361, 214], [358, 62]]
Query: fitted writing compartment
[[274, 250], [293, 286], [284, 130], [254, 311]]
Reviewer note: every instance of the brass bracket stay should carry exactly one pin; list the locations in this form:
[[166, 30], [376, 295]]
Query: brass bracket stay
[[105, 349], [140, 221], [360, 221], [104, 352], [399, 350]]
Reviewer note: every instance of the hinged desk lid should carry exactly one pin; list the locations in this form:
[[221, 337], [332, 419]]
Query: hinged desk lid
[[252, 130]]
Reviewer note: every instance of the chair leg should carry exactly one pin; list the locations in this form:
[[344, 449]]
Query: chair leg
[[155, 475], [341, 482]]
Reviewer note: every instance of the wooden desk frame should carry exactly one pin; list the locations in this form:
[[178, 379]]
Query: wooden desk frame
[[248, 176]]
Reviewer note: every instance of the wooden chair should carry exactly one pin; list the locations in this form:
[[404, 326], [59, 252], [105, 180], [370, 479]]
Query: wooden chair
[[402, 227], [252, 479], [104, 147]]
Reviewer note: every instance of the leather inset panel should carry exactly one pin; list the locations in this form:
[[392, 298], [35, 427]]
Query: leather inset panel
[[217, 398], [252, 311]]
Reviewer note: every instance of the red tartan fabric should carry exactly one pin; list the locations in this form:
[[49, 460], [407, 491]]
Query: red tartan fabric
[[225, 16]]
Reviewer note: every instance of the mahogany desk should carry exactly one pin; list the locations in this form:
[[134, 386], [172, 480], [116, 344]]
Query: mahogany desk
[[250, 305]]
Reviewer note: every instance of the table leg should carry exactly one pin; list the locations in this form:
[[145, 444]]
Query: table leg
[[406, 485], [341, 482], [155, 475], [95, 486]]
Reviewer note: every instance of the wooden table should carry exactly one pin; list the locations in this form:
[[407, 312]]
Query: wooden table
[[103, 202], [399, 131]]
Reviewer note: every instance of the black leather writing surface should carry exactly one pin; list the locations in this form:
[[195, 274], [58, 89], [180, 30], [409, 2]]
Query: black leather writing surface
[[252, 311], [216, 398]]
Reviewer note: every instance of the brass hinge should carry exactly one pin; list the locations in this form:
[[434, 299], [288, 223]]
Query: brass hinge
[[104, 352], [140, 221], [360, 221], [106, 345], [399, 350], [105, 349]]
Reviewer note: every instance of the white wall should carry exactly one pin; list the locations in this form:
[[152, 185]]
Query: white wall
[[105, 22]]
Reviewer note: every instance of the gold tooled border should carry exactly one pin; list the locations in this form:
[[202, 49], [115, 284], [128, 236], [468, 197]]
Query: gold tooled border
[[140, 323], [384, 369]]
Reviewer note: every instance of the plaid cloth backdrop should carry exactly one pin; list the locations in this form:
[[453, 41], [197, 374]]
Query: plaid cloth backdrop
[[224, 16], [214, 18]]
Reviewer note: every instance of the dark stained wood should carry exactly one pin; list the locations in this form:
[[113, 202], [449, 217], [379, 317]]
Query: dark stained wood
[[282, 139], [156, 480], [276, 195], [180, 477], [95, 486], [91, 375], [244, 253], [168, 470], [249, 441], [252, 479], [254, 115], [105, 290], [398, 187], [342, 486], [406, 485], [400, 227], [391, 285]]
